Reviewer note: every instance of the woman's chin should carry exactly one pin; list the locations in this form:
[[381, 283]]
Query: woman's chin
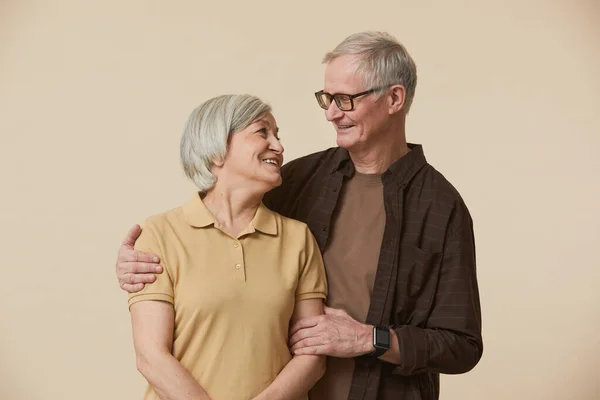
[[266, 185], [273, 183]]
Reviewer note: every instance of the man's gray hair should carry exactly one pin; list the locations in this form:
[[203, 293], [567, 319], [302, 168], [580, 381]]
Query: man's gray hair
[[383, 62], [207, 132]]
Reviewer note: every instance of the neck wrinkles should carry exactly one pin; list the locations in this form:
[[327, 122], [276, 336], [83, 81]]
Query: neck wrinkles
[[378, 159], [233, 209]]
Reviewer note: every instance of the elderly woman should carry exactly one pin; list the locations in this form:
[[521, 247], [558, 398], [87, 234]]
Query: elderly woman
[[215, 324]]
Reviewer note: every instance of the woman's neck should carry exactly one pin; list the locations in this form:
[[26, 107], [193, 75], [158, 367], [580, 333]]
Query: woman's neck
[[233, 209]]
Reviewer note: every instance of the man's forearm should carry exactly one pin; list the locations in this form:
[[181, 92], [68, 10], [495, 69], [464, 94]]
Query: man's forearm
[[436, 350], [169, 379], [296, 378], [417, 350]]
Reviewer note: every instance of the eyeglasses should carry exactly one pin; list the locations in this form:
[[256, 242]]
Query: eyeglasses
[[345, 102]]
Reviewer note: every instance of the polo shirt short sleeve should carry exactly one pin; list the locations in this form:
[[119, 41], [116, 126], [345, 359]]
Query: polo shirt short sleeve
[[311, 283], [162, 289]]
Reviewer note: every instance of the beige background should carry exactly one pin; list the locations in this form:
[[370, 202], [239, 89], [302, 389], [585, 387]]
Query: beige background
[[93, 98]]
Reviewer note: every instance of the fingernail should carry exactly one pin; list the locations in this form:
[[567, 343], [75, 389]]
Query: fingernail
[[158, 269], [155, 259]]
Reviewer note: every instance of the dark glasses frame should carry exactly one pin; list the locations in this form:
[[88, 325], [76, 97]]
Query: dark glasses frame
[[339, 97]]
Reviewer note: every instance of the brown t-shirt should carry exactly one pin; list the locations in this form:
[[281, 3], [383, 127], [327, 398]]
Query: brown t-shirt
[[351, 256]]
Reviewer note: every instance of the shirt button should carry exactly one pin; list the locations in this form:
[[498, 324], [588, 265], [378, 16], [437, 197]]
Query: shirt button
[[238, 266], [236, 245]]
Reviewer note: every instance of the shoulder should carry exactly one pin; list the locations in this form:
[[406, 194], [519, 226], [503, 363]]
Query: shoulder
[[163, 222], [432, 183], [293, 229], [290, 224], [165, 217]]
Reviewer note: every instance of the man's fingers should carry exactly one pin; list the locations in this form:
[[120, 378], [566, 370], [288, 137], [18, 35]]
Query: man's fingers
[[124, 268], [301, 334], [300, 344], [139, 278], [132, 236], [145, 268], [146, 257], [311, 350], [128, 255], [307, 342], [132, 288], [307, 322]]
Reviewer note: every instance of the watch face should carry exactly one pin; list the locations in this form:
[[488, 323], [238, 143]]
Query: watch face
[[382, 337]]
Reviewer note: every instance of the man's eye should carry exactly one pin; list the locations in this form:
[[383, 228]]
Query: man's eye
[[262, 131]]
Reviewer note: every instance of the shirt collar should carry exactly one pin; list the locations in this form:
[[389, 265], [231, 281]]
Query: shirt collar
[[197, 215], [405, 168], [264, 220], [402, 170]]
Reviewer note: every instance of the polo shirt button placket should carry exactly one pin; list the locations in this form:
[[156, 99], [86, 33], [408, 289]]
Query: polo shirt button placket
[[239, 266], [240, 274]]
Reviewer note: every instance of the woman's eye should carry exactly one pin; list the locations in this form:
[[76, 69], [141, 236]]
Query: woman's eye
[[262, 131]]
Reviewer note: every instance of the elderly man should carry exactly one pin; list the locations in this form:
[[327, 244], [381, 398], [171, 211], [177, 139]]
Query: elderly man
[[396, 237]]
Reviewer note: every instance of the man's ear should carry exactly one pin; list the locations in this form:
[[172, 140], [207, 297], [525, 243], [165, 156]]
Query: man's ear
[[397, 98]]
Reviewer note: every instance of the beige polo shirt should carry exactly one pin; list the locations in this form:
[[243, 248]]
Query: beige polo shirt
[[233, 297]]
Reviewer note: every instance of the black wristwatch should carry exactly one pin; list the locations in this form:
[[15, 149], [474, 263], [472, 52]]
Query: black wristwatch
[[381, 340]]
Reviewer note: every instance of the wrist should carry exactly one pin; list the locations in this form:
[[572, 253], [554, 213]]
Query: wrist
[[365, 340]]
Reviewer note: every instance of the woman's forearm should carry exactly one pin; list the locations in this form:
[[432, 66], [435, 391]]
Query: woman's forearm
[[295, 379], [169, 379]]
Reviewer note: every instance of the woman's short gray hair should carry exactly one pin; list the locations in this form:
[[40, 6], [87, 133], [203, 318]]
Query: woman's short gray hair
[[384, 61], [207, 132]]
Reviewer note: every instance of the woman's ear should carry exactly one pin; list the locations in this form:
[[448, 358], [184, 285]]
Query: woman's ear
[[218, 162]]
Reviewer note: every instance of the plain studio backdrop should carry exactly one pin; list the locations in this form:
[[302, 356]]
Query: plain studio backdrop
[[93, 99]]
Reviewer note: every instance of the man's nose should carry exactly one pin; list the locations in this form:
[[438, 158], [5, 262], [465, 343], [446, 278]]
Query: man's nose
[[333, 112]]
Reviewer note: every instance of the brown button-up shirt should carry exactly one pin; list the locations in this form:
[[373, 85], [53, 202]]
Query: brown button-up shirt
[[426, 284]]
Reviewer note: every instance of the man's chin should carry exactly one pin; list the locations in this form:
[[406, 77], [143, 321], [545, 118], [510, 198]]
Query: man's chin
[[345, 141]]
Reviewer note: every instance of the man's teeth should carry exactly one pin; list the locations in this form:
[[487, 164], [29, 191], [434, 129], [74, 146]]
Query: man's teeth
[[344, 126], [271, 162]]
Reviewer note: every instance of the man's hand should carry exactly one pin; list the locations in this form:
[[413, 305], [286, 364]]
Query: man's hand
[[334, 334], [134, 268]]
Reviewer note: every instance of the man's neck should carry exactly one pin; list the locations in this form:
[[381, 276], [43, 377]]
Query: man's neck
[[233, 209], [378, 159]]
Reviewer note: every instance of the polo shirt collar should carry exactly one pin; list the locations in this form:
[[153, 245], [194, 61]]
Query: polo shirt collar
[[264, 220], [197, 215]]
